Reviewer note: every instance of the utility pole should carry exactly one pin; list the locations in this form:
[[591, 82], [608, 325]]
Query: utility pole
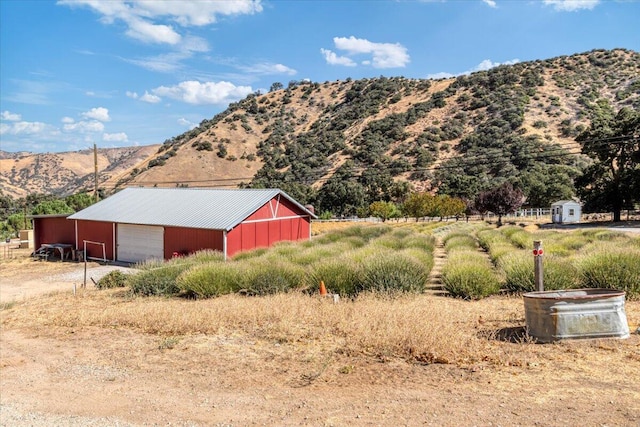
[[95, 173]]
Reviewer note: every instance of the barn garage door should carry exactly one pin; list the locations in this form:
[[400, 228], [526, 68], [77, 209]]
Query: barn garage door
[[140, 242]]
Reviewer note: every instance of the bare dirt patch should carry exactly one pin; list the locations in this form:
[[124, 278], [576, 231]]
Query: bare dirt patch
[[102, 358], [23, 277]]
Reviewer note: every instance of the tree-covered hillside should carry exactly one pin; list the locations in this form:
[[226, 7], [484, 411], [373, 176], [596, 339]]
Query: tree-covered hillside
[[343, 145]]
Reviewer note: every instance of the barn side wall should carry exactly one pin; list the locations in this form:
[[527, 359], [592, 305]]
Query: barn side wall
[[189, 240], [251, 235], [53, 230], [96, 231]]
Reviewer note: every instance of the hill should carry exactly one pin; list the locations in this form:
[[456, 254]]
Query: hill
[[341, 145], [64, 173], [344, 144]]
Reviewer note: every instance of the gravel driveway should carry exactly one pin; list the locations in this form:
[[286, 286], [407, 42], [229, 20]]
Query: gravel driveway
[[95, 273]]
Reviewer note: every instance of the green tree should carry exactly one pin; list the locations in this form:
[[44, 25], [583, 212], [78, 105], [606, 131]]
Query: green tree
[[500, 200], [275, 86], [7, 205], [419, 205], [80, 201], [52, 207], [382, 210], [613, 180], [546, 184], [34, 199], [450, 206], [341, 197], [17, 222]]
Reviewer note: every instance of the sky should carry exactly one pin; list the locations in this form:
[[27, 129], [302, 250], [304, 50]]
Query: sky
[[116, 73]]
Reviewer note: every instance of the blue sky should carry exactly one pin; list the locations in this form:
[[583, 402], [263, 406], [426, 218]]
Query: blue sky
[[123, 73]]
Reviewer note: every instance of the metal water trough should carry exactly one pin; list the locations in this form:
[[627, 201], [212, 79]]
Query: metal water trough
[[575, 313]]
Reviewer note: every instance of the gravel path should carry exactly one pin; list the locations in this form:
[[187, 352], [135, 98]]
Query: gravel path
[[96, 273], [12, 415]]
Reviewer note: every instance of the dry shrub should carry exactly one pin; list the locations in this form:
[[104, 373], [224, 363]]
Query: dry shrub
[[518, 236], [365, 232], [113, 279], [204, 256], [487, 237], [468, 274], [340, 276], [518, 266], [254, 253], [211, 280], [157, 279], [311, 255], [612, 268], [393, 272], [420, 241], [270, 276], [456, 241]]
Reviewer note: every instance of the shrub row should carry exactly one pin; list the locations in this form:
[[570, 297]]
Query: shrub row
[[468, 274], [582, 259], [349, 261]]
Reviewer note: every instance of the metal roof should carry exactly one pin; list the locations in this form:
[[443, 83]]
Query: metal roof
[[564, 202], [215, 209]]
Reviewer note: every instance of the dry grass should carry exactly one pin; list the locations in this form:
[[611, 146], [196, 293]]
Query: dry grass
[[421, 328], [320, 227]]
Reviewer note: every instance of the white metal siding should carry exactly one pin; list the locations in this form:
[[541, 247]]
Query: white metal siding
[[140, 242]]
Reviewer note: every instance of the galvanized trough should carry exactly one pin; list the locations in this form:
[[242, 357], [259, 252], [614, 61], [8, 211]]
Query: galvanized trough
[[575, 313]]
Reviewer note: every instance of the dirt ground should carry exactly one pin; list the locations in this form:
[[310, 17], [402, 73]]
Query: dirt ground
[[90, 376]]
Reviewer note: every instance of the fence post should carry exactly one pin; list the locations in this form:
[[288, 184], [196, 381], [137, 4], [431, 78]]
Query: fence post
[[538, 252]]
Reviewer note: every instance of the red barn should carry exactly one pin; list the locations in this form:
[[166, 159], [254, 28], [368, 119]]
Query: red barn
[[49, 229], [142, 223]]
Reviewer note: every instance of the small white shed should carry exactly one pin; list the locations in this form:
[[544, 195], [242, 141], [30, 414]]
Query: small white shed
[[565, 211]]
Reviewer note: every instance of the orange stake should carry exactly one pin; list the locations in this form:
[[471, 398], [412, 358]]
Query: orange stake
[[323, 290]]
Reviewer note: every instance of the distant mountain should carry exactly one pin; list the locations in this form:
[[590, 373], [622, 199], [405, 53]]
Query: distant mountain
[[344, 144], [64, 173]]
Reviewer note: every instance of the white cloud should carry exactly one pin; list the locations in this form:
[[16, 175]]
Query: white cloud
[[184, 122], [442, 75], [490, 3], [194, 92], [150, 98], [115, 137], [162, 63], [172, 61], [99, 113], [141, 17], [67, 120], [9, 116], [571, 5], [22, 128], [384, 55], [151, 33], [333, 59], [84, 126], [199, 12], [485, 65], [268, 68], [147, 97]]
